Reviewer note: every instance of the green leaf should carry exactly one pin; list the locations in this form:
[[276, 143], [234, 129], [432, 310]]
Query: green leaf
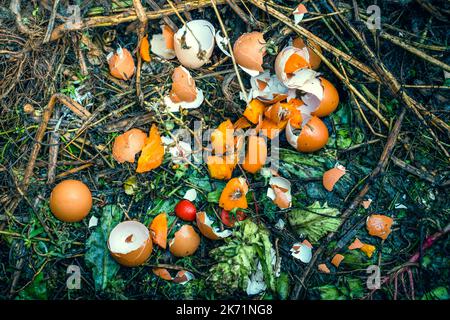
[[315, 221], [283, 286], [439, 293], [131, 186], [97, 257], [304, 166], [36, 290], [214, 196]]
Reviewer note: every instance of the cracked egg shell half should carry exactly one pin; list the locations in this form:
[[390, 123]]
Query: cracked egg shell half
[[70, 201], [313, 59], [313, 136], [292, 67], [184, 93], [130, 243], [204, 224], [128, 144], [249, 50], [163, 44], [194, 43], [121, 64], [185, 242], [321, 98]]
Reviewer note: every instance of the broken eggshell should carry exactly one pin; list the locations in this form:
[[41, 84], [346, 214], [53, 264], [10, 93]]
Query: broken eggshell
[[267, 88], [130, 243], [249, 50], [313, 136], [204, 224], [302, 251], [332, 176], [128, 144], [280, 192], [121, 64], [185, 242], [292, 67], [194, 43], [314, 60], [163, 44], [321, 97], [184, 93]]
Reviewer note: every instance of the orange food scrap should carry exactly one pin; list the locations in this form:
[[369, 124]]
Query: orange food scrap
[[158, 230], [220, 167], [152, 153], [332, 176], [357, 244], [323, 268], [271, 129], [254, 110], [256, 154], [144, 49], [222, 138], [379, 225], [242, 123], [337, 259], [368, 249], [233, 195]]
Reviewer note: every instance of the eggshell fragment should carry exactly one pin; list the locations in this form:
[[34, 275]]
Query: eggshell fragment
[[332, 176], [302, 252], [299, 13], [292, 67], [194, 43], [314, 59], [280, 192], [313, 136], [204, 224], [249, 50], [130, 243], [267, 88], [337, 259], [121, 64], [163, 44], [184, 93], [128, 144], [323, 268], [185, 242], [163, 273], [183, 277], [366, 203], [158, 230], [379, 225], [70, 201], [357, 244]]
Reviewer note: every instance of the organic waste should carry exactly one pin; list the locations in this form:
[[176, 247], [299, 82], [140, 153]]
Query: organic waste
[[224, 150]]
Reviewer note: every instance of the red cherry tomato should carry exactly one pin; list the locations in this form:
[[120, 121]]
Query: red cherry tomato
[[229, 220], [185, 210]]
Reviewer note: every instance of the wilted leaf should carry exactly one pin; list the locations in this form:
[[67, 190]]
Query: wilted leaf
[[315, 221], [97, 257]]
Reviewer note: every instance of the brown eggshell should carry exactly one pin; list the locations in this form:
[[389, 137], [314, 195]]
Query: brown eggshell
[[128, 232], [330, 100], [70, 201], [205, 229], [249, 50], [185, 242], [313, 137], [127, 145], [183, 86], [121, 64], [332, 176], [314, 59]]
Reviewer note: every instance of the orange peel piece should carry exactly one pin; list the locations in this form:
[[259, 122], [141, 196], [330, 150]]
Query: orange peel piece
[[158, 230], [152, 153], [144, 49]]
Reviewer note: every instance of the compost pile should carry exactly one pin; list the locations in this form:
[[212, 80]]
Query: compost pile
[[224, 149]]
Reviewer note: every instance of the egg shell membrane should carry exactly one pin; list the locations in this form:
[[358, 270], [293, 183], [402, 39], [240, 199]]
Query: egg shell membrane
[[256, 155], [121, 64], [70, 201], [233, 195], [314, 59], [128, 144], [187, 40], [183, 86], [130, 243], [204, 224], [249, 50], [332, 176], [185, 242], [379, 225]]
